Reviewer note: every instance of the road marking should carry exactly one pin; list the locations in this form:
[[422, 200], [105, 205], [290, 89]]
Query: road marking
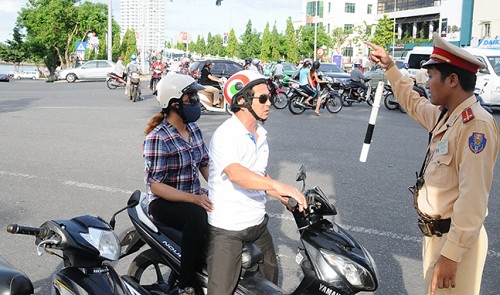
[[282, 216]]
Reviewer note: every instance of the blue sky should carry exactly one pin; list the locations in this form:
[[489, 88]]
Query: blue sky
[[198, 17]]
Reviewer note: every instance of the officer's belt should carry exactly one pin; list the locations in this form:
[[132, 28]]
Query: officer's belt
[[430, 227]]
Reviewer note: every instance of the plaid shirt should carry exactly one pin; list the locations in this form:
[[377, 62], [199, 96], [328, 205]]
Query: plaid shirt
[[171, 160]]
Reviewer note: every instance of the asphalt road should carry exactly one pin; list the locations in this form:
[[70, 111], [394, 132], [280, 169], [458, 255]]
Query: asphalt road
[[75, 149]]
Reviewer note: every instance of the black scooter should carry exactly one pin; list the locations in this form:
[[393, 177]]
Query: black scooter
[[86, 243], [331, 260]]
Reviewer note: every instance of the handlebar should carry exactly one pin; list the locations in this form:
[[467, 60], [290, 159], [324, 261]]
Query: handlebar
[[23, 230], [292, 202]]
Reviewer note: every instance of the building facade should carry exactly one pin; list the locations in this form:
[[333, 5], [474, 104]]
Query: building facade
[[148, 19]]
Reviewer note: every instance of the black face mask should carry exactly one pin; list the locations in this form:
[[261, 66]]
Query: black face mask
[[190, 112]]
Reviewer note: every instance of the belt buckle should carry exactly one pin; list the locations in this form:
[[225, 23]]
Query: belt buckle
[[425, 228]]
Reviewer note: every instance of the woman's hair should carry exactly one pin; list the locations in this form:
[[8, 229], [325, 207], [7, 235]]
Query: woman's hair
[[155, 121]]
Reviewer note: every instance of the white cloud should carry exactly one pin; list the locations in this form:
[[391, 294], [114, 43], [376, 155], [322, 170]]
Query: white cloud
[[11, 6]]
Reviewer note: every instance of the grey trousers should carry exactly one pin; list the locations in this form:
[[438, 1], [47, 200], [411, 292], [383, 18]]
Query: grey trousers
[[224, 256]]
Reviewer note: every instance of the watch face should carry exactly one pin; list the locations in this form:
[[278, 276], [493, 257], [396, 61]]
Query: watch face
[[187, 290]]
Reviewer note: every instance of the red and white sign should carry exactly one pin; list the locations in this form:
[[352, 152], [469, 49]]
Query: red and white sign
[[320, 51]]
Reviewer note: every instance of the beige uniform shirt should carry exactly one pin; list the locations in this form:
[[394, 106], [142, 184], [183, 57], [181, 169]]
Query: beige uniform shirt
[[459, 173], [421, 77]]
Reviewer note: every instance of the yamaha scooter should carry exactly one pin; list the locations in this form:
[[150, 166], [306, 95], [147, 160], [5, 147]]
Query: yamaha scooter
[[114, 81], [331, 259], [86, 244]]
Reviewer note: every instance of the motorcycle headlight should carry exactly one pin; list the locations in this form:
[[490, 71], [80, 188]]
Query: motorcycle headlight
[[357, 275], [105, 241]]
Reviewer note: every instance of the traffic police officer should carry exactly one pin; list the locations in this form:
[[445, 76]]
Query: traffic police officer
[[451, 194]]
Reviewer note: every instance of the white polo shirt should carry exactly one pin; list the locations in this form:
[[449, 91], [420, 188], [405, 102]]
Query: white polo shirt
[[236, 208]]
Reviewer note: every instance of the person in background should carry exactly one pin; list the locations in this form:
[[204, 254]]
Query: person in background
[[132, 67], [157, 67], [452, 189], [421, 78], [278, 70], [404, 70], [358, 78], [239, 185], [175, 155], [208, 80], [248, 63], [304, 82], [314, 82], [120, 69]]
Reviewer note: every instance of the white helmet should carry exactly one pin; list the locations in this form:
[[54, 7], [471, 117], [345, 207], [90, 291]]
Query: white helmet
[[255, 61], [238, 83], [173, 86]]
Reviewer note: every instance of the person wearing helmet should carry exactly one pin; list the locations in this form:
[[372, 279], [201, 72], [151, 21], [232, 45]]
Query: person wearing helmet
[[314, 82], [278, 70], [255, 66], [157, 69], [305, 84], [248, 62], [405, 72], [238, 184], [209, 81], [120, 69], [357, 78], [421, 78], [175, 154], [132, 67]]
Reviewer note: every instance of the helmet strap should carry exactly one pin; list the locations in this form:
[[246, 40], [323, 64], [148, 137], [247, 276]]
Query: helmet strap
[[248, 106]]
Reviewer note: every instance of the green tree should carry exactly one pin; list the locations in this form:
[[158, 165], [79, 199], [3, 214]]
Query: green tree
[[292, 52], [200, 45], [129, 45], [339, 37], [384, 32], [15, 51], [306, 37], [265, 48], [275, 43], [232, 47], [250, 42]]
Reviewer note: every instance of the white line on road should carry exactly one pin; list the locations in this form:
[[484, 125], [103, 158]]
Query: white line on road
[[358, 229]]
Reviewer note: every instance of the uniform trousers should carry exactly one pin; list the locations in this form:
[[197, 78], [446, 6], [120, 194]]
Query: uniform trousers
[[470, 269], [224, 256]]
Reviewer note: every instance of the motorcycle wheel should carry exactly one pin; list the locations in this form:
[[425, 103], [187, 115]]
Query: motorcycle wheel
[[110, 84], [155, 81], [152, 273], [280, 101], [334, 104], [390, 101], [294, 107], [345, 102], [371, 99], [135, 94]]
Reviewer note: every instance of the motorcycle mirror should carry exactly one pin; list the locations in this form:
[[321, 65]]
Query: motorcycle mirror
[[131, 203], [301, 175]]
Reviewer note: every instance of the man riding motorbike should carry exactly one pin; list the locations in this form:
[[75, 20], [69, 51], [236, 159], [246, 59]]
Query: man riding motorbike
[[132, 67], [357, 77], [209, 81], [157, 68]]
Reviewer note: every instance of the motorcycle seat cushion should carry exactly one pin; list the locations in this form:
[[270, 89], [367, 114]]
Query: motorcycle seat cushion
[[13, 281]]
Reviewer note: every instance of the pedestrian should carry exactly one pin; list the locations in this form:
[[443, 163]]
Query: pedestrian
[[238, 185], [421, 78], [453, 186], [175, 155]]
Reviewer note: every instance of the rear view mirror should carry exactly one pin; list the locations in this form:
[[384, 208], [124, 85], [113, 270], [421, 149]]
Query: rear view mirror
[[301, 175]]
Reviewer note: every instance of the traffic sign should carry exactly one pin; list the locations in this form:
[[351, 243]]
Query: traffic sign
[[320, 51], [81, 46]]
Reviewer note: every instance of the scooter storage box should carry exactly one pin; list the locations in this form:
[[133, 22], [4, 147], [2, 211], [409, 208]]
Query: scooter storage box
[[13, 281]]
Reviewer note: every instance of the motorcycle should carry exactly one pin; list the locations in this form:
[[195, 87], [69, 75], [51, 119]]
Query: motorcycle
[[114, 81], [390, 100], [330, 98], [87, 244], [279, 98], [351, 93], [331, 259], [156, 77], [135, 87], [206, 105]]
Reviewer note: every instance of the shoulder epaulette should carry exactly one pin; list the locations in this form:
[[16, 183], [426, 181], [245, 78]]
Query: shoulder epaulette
[[467, 115]]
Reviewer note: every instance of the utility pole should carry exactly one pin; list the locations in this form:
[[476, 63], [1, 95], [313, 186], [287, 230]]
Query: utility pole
[[110, 31]]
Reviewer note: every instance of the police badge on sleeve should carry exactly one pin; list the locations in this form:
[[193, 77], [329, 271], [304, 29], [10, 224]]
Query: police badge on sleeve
[[477, 142]]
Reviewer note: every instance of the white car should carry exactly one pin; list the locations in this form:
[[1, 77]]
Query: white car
[[27, 75], [91, 70]]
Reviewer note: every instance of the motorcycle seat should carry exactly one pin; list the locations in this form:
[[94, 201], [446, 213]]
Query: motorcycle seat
[[13, 281]]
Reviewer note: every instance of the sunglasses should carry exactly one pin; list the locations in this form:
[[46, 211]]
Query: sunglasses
[[263, 98]]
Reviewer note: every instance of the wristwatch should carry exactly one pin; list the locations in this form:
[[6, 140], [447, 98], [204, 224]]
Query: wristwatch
[[187, 290]]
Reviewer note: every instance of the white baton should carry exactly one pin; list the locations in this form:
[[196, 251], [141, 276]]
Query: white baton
[[371, 122]]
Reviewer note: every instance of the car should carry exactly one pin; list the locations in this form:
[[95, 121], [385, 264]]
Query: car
[[335, 72], [4, 78], [288, 68], [221, 68], [27, 75], [91, 70], [376, 73]]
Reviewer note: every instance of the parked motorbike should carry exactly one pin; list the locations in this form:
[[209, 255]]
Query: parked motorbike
[[135, 87], [351, 93], [86, 244], [113, 81], [390, 101], [206, 105], [330, 98], [331, 260], [279, 98]]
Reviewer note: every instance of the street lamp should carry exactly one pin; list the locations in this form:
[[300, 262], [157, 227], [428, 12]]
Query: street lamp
[[394, 29], [315, 19], [110, 32]]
